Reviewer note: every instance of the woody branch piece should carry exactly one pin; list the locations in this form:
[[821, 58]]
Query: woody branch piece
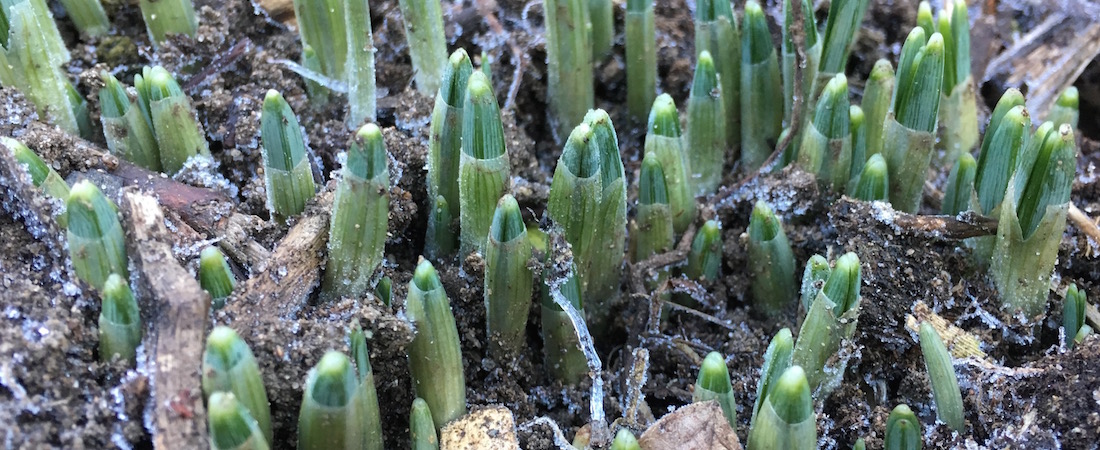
[[283, 282], [178, 314], [965, 225]]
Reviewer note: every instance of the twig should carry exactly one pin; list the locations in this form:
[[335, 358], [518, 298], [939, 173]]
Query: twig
[[220, 63], [179, 311], [798, 38], [282, 283], [634, 384], [1083, 222], [702, 315], [963, 226], [638, 270], [1093, 316], [962, 343]]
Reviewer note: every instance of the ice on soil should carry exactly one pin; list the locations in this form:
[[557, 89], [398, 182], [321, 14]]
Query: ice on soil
[[202, 171], [415, 126]]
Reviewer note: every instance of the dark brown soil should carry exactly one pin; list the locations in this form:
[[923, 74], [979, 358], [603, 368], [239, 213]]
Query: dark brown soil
[[56, 393]]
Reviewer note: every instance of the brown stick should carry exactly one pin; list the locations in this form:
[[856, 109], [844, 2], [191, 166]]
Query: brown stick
[[639, 269], [634, 383], [203, 209], [963, 226], [1083, 222], [1093, 316], [1050, 57], [178, 308], [282, 283]]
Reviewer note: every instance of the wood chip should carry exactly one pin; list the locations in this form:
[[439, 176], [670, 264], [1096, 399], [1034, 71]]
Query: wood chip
[[1049, 58], [283, 282], [1084, 223], [177, 308], [489, 428], [961, 343]]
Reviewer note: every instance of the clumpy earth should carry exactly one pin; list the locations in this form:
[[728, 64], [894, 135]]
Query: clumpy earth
[[55, 392]]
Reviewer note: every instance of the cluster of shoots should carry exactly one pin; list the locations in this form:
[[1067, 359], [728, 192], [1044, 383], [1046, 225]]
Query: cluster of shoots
[[909, 132], [33, 59], [1073, 316], [958, 108], [339, 402], [1032, 218], [588, 199], [878, 150], [158, 129], [97, 250], [1023, 179], [33, 56], [794, 372], [444, 148], [468, 165], [98, 253], [831, 317], [337, 47]]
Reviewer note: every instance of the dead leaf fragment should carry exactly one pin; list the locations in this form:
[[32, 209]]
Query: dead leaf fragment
[[699, 426]]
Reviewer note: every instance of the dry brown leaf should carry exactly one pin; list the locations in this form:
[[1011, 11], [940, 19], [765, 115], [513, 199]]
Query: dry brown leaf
[[698, 426]]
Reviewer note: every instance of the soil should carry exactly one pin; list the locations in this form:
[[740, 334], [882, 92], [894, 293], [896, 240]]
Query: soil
[[55, 392]]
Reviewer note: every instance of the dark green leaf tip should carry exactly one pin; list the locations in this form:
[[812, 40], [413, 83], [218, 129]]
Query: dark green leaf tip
[[763, 224], [651, 185], [334, 380], [790, 397], [456, 74], [507, 220], [705, 82], [757, 37], [118, 301], [580, 155], [425, 277], [663, 118], [713, 374]]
